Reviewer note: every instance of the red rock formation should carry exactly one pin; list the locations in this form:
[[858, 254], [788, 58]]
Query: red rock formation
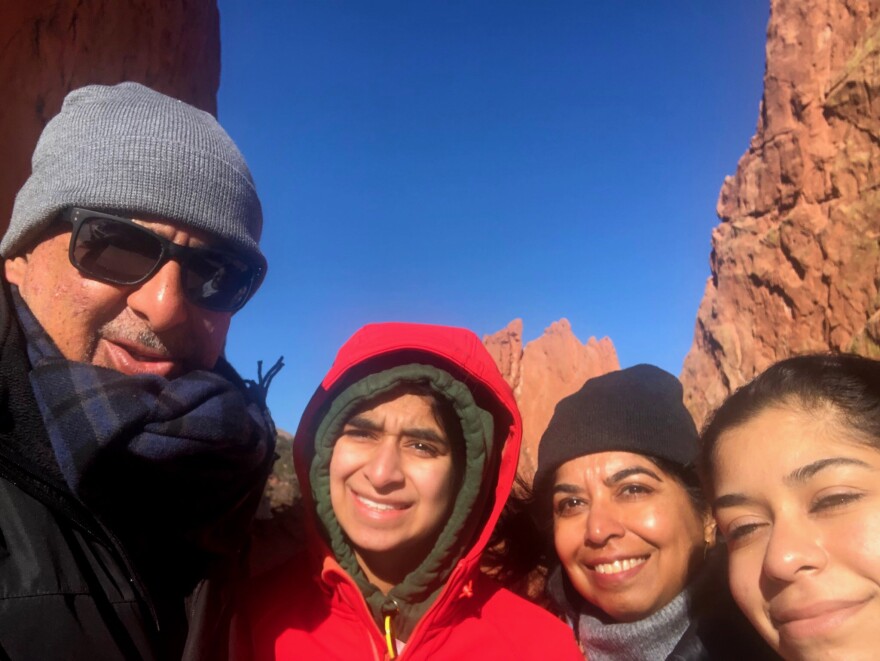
[[548, 369], [796, 259], [52, 46]]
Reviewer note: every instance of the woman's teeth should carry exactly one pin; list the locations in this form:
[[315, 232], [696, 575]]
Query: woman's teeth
[[618, 565]]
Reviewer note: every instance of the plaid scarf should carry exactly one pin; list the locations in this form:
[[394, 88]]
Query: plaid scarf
[[161, 462]]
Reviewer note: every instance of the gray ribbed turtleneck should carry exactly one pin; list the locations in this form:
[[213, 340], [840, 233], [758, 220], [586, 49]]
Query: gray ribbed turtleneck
[[646, 640]]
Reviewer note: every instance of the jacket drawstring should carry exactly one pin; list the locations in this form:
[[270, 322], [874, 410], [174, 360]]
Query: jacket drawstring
[[389, 610]]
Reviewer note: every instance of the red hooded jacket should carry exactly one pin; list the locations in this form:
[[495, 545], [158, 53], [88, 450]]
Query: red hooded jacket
[[312, 609]]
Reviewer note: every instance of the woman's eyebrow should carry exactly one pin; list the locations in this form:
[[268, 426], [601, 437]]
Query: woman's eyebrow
[[804, 473], [634, 470]]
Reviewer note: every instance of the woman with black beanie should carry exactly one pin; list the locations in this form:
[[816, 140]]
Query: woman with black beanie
[[634, 571]]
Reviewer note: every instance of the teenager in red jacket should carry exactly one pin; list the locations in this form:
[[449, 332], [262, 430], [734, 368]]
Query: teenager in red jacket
[[405, 455]]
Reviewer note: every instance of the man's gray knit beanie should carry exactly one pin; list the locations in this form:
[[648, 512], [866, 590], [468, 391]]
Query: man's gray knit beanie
[[130, 150]]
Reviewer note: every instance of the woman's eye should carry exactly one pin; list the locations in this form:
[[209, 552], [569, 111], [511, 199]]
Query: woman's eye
[[834, 500], [635, 490], [569, 506]]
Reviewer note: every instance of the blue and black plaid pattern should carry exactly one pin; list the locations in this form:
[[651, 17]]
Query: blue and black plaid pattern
[[196, 434]]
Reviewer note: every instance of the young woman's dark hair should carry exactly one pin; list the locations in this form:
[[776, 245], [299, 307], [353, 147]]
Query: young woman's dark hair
[[848, 383]]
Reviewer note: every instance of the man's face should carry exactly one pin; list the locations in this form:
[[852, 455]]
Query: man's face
[[150, 328]]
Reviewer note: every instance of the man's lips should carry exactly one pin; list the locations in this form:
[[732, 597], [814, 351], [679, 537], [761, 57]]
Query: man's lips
[[131, 358]]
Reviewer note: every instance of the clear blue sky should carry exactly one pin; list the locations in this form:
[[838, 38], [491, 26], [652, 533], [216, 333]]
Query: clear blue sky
[[470, 162]]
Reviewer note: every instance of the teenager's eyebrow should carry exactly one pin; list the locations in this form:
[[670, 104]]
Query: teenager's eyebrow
[[627, 472], [425, 434], [804, 473], [420, 433], [364, 423]]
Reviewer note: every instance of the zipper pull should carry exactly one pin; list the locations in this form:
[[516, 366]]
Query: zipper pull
[[389, 610]]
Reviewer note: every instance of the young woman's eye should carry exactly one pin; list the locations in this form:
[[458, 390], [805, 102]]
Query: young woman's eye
[[424, 449], [569, 506], [831, 501], [740, 532]]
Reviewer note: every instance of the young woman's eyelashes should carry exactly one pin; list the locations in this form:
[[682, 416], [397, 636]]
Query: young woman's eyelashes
[[740, 532], [425, 449], [825, 502], [829, 502]]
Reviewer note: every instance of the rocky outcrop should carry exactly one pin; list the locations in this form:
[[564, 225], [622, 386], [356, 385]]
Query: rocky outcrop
[[48, 47], [549, 368], [796, 259]]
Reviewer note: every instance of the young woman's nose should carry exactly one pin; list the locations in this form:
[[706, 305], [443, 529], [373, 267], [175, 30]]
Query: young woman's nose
[[383, 468], [793, 548]]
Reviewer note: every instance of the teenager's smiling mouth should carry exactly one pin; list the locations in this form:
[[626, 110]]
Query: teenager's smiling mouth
[[379, 506]]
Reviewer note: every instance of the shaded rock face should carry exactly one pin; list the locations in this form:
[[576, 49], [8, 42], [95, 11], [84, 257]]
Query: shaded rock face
[[52, 46], [796, 259], [546, 370], [282, 487]]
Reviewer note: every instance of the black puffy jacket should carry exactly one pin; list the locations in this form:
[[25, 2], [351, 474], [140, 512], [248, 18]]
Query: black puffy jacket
[[70, 587]]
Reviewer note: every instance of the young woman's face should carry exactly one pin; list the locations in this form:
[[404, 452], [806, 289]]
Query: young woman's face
[[625, 531], [392, 480], [797, 496]]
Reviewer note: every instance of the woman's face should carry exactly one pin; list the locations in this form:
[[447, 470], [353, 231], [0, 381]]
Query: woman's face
[[626, 532], [798, 500]]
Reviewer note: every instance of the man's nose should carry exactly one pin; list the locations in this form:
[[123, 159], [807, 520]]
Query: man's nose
[[383, 469], [160, 300]]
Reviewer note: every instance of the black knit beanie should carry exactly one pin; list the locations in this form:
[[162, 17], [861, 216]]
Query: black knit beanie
[[638, 410]]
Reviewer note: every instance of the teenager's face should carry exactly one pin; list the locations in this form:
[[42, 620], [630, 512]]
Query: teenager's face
[[797, 496], [625, 531], [392, 480]]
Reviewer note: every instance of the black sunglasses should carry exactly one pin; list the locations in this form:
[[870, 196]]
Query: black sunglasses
[[119, 251]]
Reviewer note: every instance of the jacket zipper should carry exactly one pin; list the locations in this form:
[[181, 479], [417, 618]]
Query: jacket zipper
[[390, 610]]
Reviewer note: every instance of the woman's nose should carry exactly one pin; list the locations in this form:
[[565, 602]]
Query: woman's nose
[[603, 523]]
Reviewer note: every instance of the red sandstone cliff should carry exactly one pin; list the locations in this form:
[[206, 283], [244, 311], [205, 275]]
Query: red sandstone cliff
[[48, 47], [546, 370], [796, 259]]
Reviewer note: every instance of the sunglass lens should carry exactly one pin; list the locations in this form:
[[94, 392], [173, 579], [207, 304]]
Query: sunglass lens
[[217, 281], [113, 251]]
